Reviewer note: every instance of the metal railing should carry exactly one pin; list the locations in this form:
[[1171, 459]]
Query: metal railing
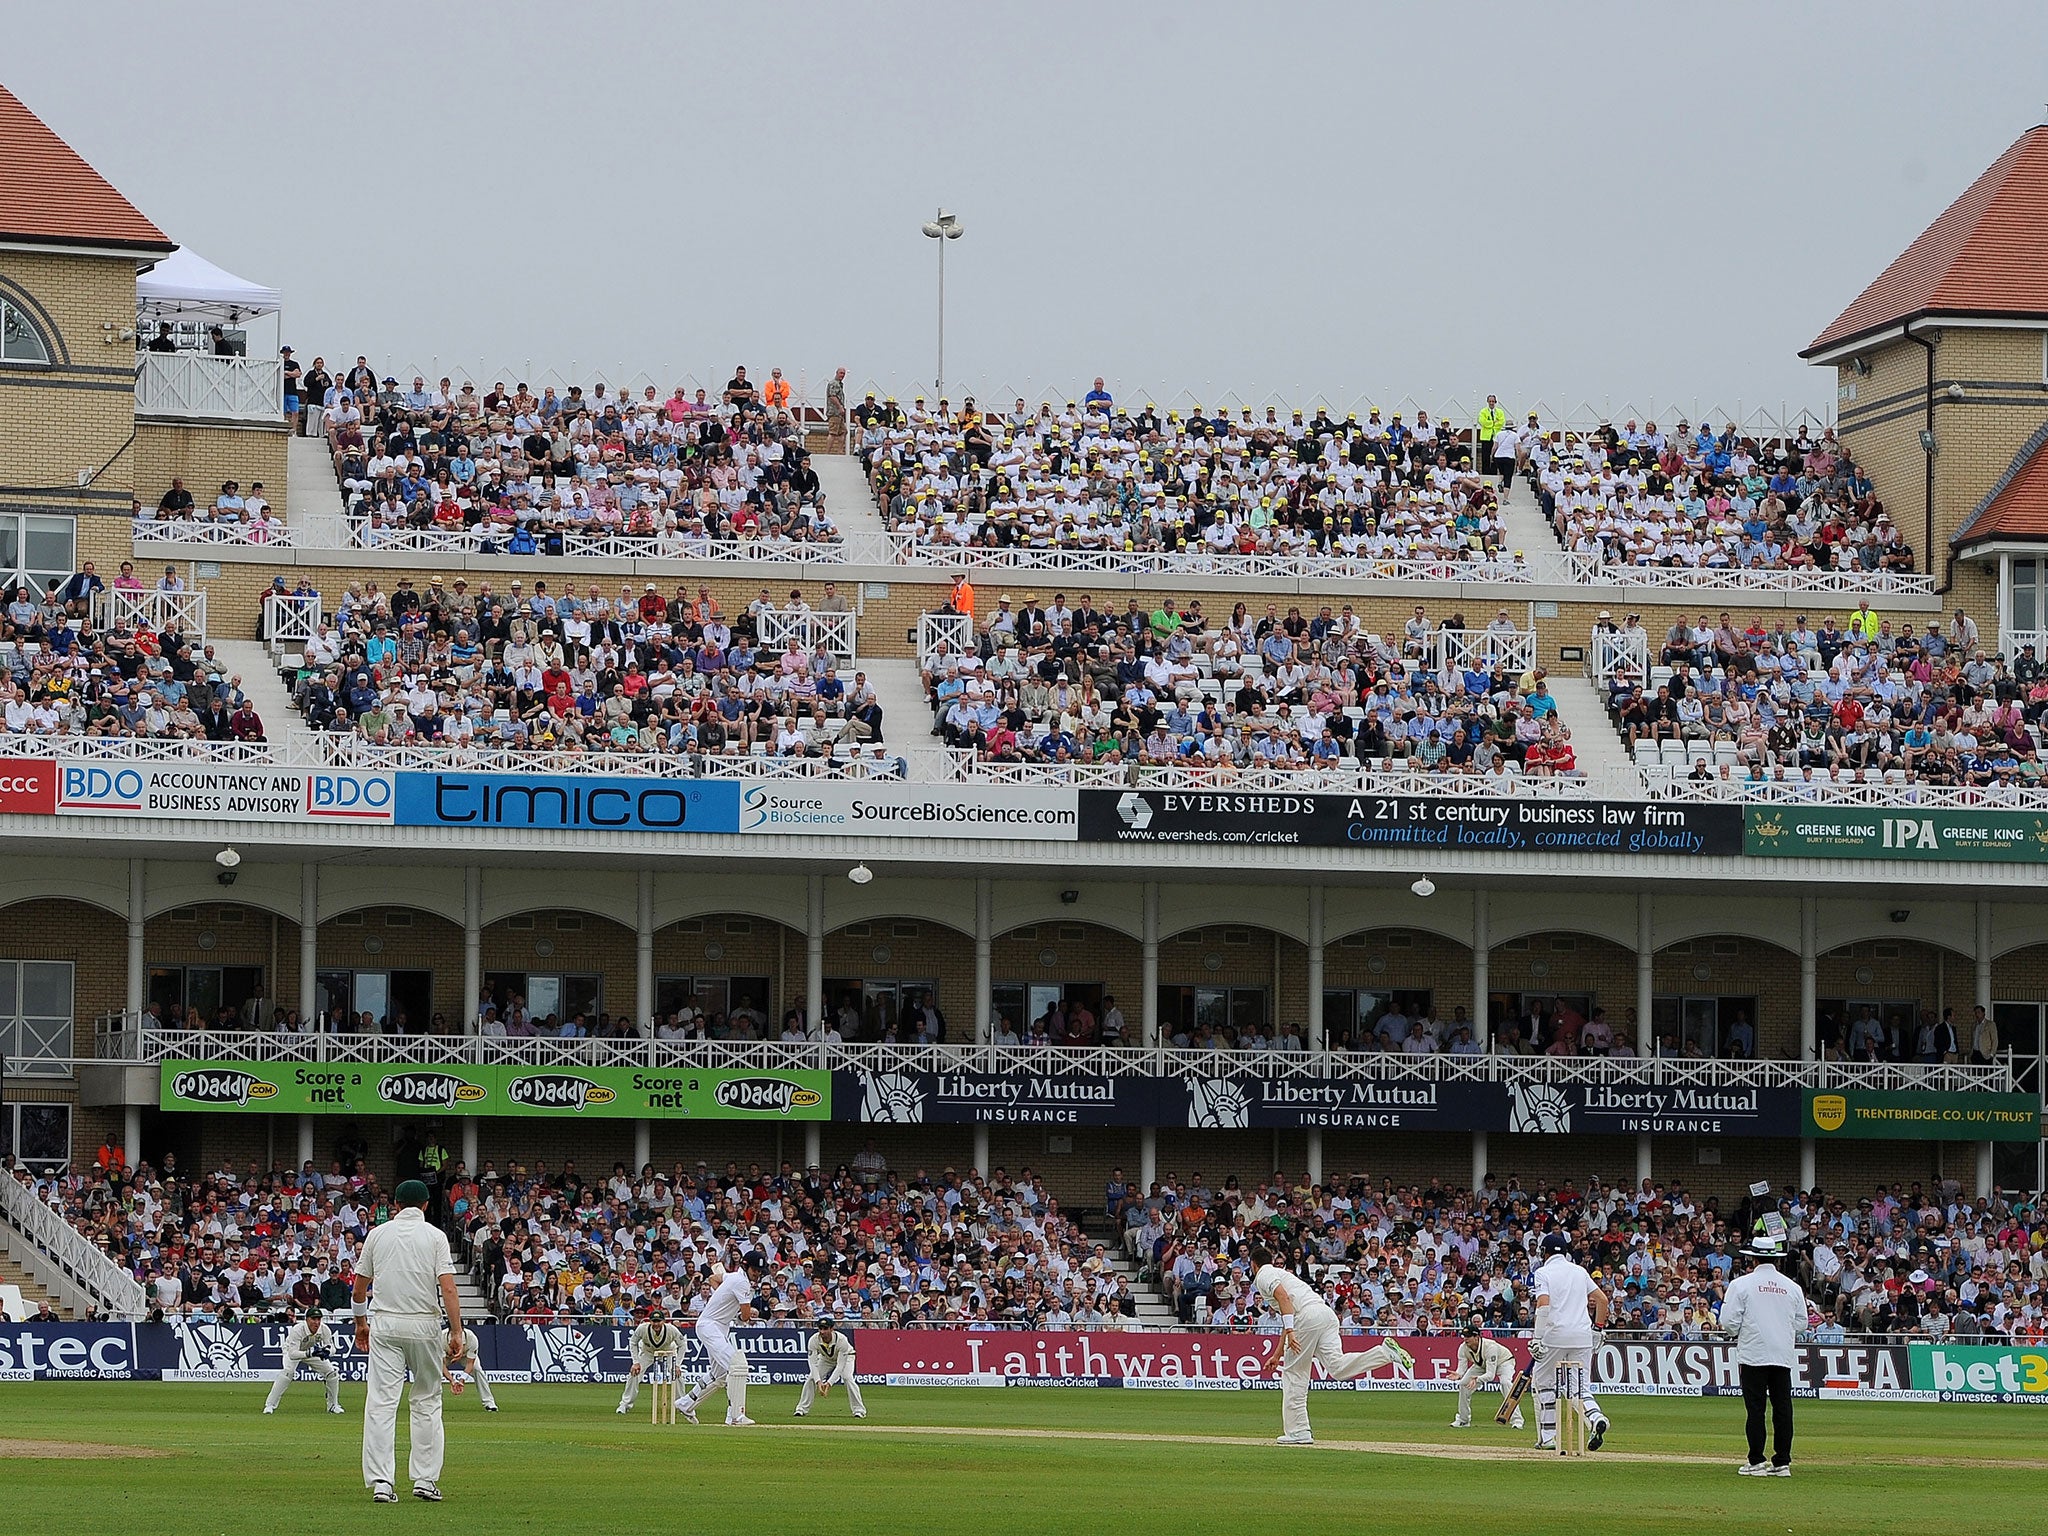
[[208, 388], [116, 1292], [151, 609], [832, 633], [1797, 789], [269, 533], [1512, 649], [119, 1038]]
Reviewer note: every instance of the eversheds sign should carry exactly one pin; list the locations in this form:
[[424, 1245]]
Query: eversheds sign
[[1435, 823]]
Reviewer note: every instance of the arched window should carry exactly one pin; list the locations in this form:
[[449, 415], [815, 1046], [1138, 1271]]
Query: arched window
[[20, 341]]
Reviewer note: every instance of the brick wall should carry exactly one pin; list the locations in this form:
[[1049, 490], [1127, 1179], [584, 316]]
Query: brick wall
[[78, 413], [203, 457]]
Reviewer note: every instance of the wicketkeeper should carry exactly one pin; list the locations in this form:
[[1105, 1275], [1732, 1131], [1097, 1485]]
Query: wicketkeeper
[[310, 1345], [831, 1364], [655, 1341], [1483, 1362], [471, 1365]]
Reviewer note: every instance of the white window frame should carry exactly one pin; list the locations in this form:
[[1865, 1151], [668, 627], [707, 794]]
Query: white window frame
[[39, 1045], [25, 324]]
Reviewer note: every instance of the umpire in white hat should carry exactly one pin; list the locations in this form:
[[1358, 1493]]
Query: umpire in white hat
[[1764, 1311]]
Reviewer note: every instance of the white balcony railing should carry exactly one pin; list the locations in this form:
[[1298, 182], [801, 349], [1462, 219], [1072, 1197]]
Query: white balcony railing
[[118, 1039], [200, 387], [831, 633], [184, 612], [1512, 649], [116, 1292]]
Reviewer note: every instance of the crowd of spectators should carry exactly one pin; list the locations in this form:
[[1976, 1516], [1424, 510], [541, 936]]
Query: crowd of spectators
[[1072, 683], [1638, 496], [1854, 701], [64, 676], [514, 472], [635, 673], [1097, 477], [875, 1245]]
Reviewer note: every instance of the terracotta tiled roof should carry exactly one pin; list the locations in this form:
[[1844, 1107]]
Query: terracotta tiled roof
[[1986, 255], [47, 193], [2016, 506]]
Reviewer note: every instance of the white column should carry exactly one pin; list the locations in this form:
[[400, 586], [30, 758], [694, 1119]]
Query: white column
[[469, 1129], [984, 979], [309, 955], [814, 1144], [1478, 1159], [305, 1142], [1148, 1005], [981, 1150], [1646, 991], [1482, 977], [1316, 1023], [814, 955], [1809, 1018], [1148, 974], [643, 967], [643, 1145], [472, 967], [138, 962], [1984, 1148], [131, 1131]]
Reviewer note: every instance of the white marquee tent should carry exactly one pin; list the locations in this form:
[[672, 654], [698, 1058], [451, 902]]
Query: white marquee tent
[[186, 288]]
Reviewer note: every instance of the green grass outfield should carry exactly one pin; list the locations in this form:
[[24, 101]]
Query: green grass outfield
[[942, 1459]]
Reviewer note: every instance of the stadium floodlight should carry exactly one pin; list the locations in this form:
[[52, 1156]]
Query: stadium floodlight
[[945, 227], [860, 874], [1424, 887]]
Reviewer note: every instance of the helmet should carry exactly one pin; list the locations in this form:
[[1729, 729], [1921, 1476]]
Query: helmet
[[1557, 1241], [1471, 1329]]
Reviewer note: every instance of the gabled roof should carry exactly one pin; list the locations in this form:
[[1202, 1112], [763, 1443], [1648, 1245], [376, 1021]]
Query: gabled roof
[[1987, 255], [2016, 506], [48, 194]]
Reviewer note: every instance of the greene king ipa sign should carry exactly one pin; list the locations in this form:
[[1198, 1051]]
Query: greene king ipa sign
[[1901, 832]]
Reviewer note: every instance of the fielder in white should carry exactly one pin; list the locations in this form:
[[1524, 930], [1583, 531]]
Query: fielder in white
[[732, 1296], [310, 1344], [1570, 1311], [831, 1363], [1309, 1336], [405, 1286], [1483, 1362], [655, 1342], [470, 1363]]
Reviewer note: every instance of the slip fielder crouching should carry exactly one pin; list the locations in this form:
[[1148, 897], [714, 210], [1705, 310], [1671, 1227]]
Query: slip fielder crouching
[[831, 1365]]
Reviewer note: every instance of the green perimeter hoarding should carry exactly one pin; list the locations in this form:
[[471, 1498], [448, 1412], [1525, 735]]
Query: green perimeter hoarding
[[631, 1093], [1895, 832], [1992, 1373], [1912, 1114]]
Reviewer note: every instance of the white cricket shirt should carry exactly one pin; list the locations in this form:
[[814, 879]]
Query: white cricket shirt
[[404, 1261]]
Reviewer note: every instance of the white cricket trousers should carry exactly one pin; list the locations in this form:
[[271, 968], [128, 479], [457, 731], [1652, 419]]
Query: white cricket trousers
[[1576, 1364], [1474, 1379], [395, 1347], [289, 1373], [726, 1365], [475, 1367], [659, 1367], [1318, 1342], [842, 1376]]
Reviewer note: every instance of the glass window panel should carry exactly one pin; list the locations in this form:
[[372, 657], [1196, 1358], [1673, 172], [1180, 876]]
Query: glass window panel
[[19, 340], [373, 996], [2026, 596], [10, 986], [543, 995], [10, 544], [1212, 1008], [1248, 1009], [581, 994], [49, 544]]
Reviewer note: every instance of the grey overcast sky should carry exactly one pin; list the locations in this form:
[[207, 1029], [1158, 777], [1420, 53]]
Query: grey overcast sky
[[1613, 201]]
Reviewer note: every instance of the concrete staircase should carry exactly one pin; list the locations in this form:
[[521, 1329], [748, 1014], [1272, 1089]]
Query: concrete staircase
[[32, 1291], [253, 661], [314, 502], [1598, 746], [847, 497], [1155, 1313], [906, 718]]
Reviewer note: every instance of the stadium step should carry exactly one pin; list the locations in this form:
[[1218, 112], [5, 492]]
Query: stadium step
[[906, 718], [1601, 754], [313, 499], [12, 1275], [1524, 526], [254, 662], [1155, 1312], [847, 497]]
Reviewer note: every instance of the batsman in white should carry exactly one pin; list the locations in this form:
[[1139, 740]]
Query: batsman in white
[[732, 1296], [655, 1341], [310, 1344], [1570, 1311], [1309, 1336], [1482, 1362], [404, 1287], [831, 1363], [470, 1364]]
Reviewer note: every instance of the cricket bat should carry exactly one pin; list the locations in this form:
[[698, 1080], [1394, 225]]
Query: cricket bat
[[1512, 1403]]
